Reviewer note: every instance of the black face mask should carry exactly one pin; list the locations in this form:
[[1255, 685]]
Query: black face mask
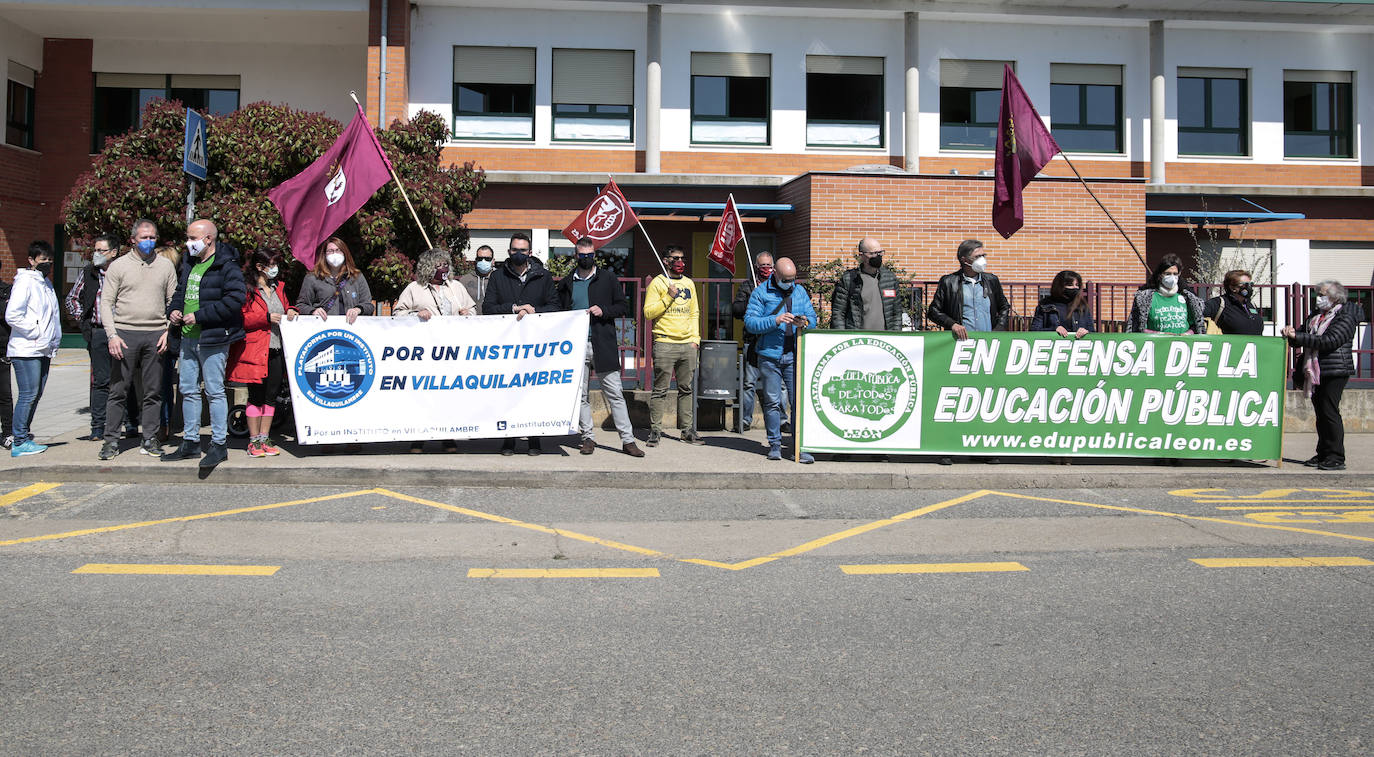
[[1071, 293], [1245, 291], [519, 259], [876, 261], [44, 268], [586, 262]]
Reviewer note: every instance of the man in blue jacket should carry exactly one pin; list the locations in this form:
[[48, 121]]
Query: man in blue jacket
[[208, 306], [779, 309]]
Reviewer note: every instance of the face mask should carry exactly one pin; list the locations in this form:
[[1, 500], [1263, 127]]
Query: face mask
[[677, 266], [44, 268], [195, 246], [483, 266], [979, 264], [1246, 290], [334, 259], [1071, 293], [440, 274], [146, 247], [1323, 302], [785, 286], [519, 259], [586, 262], [1168, 281], [271, 273], [876, 261], [765, 271], [99, 259]]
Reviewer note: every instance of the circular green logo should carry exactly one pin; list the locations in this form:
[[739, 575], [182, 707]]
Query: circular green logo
[[863, 389]]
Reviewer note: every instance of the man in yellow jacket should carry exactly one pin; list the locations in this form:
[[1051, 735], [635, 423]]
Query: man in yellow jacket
[[671, 304]]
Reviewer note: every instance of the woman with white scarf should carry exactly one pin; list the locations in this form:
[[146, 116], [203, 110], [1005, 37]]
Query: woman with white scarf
[[434, 293], [1161, 306], [1324, 366]]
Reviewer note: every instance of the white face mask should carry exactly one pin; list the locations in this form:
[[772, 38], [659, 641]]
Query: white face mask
[[1168, 281], [271, 273], [195, 246], [1323, 302], [979, 264], [99, 259], [334, 259]]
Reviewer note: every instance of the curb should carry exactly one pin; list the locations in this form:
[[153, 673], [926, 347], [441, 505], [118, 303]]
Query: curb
[[961, 477]]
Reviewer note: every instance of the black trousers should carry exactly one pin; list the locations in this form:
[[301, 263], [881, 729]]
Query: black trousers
[[6, 399], [135, 382], [1326, 406]]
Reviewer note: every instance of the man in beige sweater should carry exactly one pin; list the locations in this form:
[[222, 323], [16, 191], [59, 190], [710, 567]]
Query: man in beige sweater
[[133, 309]]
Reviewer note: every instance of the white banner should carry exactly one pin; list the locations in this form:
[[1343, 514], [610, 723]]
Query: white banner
[[452, 377]]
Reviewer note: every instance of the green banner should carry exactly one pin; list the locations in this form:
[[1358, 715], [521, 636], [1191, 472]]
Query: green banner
[[1106, 395]]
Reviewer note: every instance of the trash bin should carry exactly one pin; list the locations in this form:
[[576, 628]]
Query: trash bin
[[720, 382]]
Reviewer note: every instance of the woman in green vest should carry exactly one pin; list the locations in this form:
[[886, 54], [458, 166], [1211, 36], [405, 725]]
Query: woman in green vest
[[1162, 307]]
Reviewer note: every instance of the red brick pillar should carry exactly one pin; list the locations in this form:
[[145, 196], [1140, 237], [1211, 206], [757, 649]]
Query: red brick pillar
[[64, 95], [397, 60]]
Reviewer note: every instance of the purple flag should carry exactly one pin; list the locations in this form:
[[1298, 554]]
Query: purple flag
[[316, 202], [1024, 146]]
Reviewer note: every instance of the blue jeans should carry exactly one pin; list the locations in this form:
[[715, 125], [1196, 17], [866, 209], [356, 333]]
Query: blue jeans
[[207, 363], [778, 375], [31, 373], [752, 388]]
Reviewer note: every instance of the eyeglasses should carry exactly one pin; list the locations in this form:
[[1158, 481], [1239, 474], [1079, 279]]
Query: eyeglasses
[[874, 252], [487, 259], [672, 258]]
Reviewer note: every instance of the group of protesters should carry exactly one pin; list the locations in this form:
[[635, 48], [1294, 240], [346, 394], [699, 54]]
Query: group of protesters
[[158, 317]]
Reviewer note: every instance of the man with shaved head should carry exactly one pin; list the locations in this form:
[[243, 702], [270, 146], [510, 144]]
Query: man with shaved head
[[865, 298], [779, 309], [208, 306]]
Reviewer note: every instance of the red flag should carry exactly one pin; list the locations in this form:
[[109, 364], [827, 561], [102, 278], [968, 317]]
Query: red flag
[[606, 218], [316, 202], [1024, 147], [728, 233]]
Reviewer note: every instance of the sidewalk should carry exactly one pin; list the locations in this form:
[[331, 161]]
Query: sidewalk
[[727, 461]]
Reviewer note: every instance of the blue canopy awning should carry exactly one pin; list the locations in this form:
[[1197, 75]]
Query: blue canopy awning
[[702, 209]]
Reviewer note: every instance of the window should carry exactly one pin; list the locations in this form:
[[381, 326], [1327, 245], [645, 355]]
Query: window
[[1085, 107], [493, 93], [730, 98], [970, 97], [1213, 114], [19, 106], [1317, 115], [844, 101], [593, 95], [121, 98]]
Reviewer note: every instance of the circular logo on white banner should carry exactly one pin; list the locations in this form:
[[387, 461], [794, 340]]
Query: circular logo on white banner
[[334, 368], [864, 389]]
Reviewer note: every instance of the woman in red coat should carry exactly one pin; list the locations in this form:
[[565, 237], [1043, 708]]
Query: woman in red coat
[[257, 360]]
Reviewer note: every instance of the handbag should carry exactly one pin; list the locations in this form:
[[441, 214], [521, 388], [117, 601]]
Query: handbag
[[1212, 327]]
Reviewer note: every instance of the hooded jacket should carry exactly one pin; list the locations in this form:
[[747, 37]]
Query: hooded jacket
[[222, 294], [34, 316]]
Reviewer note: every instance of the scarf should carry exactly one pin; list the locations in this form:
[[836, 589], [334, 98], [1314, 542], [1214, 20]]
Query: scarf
[[338, 293], [1311, 366], [1168, 292]]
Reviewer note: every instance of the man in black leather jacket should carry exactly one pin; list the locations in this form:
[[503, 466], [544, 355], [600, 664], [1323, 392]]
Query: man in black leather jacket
[[987, 311]]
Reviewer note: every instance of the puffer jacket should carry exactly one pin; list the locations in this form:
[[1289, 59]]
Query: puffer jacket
[[847, 302], [1140, 311], [761, 317], [248, 357], [1333, 345], [222, 294], [34, 316]]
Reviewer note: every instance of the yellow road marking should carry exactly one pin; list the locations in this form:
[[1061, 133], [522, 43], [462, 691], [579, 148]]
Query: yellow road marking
[[522, 524], [1281, 501], [1120, 508], [845, 534], [932, 567], [147, 569], [183, 518], [1280, 562], [563, 573], [24, 493], [1307, 507]]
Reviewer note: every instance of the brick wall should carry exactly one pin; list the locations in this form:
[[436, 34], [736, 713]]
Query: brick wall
[[63, 105], [1334, 219], [766, 162], [1265, 174], [545, 159], [19, 207], [397, 60]]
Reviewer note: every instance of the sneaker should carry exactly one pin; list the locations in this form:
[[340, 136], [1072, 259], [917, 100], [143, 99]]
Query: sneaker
[[218, 453], [508, 447], [1330, 465], [268, 448], [588, 447], [633, 450], [1313, 461], [184, 451], [151, 447], [255, 450], [108, 451], [775, 453], [30, 447], [785, 427], [652, 441], [690, 437], [96, 435], [535, 447], [8, 441], [806, 458]]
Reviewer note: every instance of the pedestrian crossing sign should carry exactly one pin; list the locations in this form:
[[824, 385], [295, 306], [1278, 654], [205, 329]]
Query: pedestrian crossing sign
[[193, 160]]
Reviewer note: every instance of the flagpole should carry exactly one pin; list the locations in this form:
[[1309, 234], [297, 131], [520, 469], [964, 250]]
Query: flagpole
[[752, 276], [1104, 210], [397, 179]]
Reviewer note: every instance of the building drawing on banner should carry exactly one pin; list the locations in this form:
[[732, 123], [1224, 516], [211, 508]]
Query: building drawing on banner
[[334, 368]]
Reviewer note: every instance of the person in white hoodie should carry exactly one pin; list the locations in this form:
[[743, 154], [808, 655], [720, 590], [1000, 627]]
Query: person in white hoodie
[[35, 323]]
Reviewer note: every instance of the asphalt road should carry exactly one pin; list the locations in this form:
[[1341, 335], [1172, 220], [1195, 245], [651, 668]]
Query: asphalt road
[[760, 622]]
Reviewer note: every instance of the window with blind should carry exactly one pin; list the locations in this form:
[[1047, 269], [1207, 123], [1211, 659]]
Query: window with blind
[[19, 106], [731, 98], [1085, 107], [121, 98], [1317, 117], [593, 95], [1213, 111], [844, 101], [493, 92], [970, 96]]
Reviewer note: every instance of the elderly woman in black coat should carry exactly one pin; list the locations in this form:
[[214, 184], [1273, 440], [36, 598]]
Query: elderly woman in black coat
[[1324, 366]]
